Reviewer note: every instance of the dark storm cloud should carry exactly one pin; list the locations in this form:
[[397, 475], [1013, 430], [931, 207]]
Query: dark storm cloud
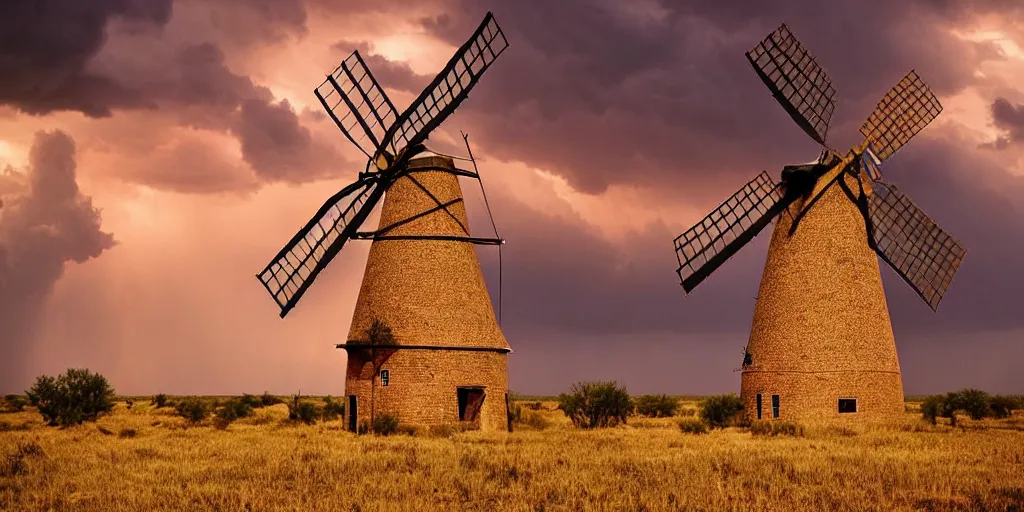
[[279, 148], [49, 225], [650, 93], [47, 46], [191, 82], [1009, 118], [255, 22]]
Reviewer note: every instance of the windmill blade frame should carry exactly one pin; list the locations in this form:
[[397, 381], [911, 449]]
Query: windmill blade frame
[[290, 273], [704, 247], [900, 115], [796, 80], [361, 101], [906, 238], [448, 89]]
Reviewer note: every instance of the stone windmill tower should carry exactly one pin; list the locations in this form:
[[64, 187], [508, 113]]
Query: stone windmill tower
[[821, 347], [445, 361]]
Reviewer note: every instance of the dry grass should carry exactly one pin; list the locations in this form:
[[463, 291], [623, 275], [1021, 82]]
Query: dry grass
[[267, 463]]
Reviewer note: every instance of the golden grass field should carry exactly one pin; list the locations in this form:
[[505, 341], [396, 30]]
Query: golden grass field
[[266, 462]]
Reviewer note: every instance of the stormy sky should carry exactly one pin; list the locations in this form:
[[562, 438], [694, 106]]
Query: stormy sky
[[155, 154]]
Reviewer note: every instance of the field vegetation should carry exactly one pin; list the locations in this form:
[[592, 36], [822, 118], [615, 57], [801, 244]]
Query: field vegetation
[[274, 453]]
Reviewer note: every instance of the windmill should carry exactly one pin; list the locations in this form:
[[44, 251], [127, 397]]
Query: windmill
[[821, 344], [422, 277]]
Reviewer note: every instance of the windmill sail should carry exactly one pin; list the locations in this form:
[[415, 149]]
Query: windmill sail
[[353, 98], [796, 80], [912, 244], [903, 112], [295, 267], [706, 246], [448, 89]]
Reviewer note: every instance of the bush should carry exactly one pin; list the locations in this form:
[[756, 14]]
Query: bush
[[267, 399], [303, 410], [720, 411], [932, 407], [72, 398], [596, 404], [332, 410], [192, 409], [160, 400], [230, 411], [126, 433], [252, 401], [385, 424], [15, 403], [1002, 406], [693, 426], [657, 406], [130, 402], [974, 402]]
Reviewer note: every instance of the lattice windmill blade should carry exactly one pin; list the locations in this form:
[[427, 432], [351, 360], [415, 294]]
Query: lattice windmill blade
[[901, 114], [357, 103], [452, 85], [796, 80], [924, 255], [296, 266], [723, 232]]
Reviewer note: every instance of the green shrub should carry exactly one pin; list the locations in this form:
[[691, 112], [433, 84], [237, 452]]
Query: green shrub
[[692, 426], [385, 424], [253, 401], [160, 400], [1002, 406], [974, 402], [596, 404], [720, 411], [303, 410], [69, 399], [932, 407], [231, 410], [192, 408], [656, 406], [332, 409], [267, 399], [14, 403]]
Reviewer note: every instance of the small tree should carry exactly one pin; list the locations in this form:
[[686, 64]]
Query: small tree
[[266, 399], [656, 406], [974, 402], [69, 399], [719, 411], [252, 401], [932, 407], [596, 404], [331, 409], [303, 410], [160, 400], [192, 409], [1002, 406]]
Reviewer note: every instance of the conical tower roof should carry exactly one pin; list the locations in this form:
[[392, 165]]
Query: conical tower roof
[[430, 292], [821, 328]]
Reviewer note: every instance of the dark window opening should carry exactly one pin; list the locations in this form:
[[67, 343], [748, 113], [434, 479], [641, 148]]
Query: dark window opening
[[759, 406], [352, 413], [384, 377], [775, 406], [847, 405], [470, 402]]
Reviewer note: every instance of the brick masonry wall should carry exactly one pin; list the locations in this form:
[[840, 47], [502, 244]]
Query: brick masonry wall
[[821, 326], [430, 292], [422, 387]]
